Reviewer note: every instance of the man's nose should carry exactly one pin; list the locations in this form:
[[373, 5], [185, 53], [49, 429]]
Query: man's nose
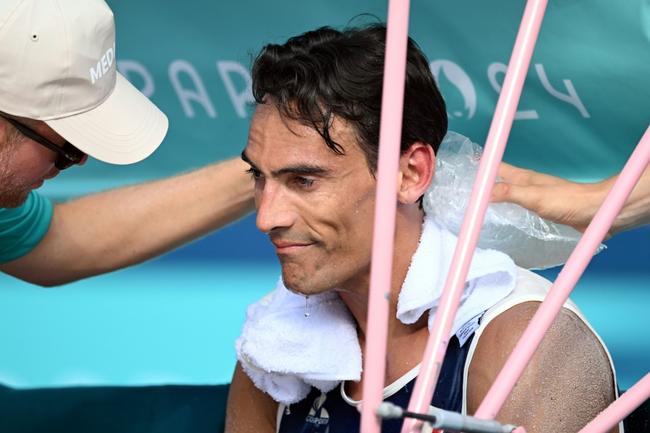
[[274, 209]]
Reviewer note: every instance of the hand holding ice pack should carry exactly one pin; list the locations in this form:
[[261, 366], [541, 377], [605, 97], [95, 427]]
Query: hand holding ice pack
[[531, 241]]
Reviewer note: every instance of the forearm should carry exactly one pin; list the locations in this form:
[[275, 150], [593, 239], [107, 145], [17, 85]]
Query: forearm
[[636, 211], [139, 222], [110, 230]]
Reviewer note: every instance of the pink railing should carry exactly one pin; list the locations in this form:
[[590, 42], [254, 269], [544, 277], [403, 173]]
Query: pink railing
[[566, 280], [382, 254], [374, 361], [473, 219]]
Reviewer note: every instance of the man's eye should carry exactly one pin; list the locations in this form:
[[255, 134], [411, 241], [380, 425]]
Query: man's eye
[[304, 181]]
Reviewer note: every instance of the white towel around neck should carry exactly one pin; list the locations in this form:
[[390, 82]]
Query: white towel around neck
[[286, 353]]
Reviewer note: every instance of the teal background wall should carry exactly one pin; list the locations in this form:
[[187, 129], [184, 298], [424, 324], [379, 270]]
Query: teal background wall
[[583, 109], [174, 319]]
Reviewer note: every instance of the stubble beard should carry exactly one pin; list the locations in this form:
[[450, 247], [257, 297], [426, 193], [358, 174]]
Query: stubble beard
[[301, 280], [12, 194], [293, 277]]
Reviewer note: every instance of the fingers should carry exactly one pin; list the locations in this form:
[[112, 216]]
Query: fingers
[[509, 172], [527, 196], [500, 192]]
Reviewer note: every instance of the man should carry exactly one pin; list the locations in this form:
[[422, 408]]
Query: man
[[313, 150], [61, 99]]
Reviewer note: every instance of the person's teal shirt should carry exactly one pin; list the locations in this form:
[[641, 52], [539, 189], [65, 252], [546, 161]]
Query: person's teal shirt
[[22, 228]]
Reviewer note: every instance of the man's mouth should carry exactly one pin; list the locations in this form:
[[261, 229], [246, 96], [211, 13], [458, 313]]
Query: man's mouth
[[287, 247]]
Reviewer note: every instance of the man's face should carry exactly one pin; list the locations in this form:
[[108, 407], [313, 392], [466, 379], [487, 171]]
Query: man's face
[[24, 164], [316, 206]]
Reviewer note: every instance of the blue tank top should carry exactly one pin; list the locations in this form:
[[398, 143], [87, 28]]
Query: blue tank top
[[330, 413]]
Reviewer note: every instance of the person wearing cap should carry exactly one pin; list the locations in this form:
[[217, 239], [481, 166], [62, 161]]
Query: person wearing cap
[[61, 100]]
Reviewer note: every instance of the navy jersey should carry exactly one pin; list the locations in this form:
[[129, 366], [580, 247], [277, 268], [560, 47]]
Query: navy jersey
[[330, 412]]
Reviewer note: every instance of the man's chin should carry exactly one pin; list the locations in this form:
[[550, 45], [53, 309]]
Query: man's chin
[[302, 289], [293, 286], [305, 278], [298, 285]]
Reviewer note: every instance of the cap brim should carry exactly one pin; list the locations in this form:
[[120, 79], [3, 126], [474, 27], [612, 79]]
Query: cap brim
[[126, 128]]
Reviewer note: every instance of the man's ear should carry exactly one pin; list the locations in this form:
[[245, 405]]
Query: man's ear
[[416, 167]]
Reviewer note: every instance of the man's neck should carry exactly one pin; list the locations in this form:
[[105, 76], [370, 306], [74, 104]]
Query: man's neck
[[406, 343]]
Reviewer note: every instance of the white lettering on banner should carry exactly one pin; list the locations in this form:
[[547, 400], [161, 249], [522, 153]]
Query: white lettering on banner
[[128, 67], [454, 74], [186, 95], [496, 68], [570, 98], [239, 99], [459, 78], [231, 73], [103, 65]]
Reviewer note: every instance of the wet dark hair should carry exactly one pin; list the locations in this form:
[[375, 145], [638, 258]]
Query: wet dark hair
[[325, 73]]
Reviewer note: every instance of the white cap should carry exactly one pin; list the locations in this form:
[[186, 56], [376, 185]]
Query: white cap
[[58, 65]]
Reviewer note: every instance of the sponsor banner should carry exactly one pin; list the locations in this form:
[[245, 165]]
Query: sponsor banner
[[584, 107]]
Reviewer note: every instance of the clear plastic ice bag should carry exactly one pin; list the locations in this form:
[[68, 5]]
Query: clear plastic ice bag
[[531, 241]]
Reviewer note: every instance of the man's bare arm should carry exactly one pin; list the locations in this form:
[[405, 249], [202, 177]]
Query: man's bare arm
[[114, 229], [249, 409], [567, 384], [571, 203]]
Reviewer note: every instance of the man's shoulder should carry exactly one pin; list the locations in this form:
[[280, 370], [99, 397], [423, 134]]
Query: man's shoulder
[[34, 211], [33, 202], [504, 323], [22, 228], [571, 367]]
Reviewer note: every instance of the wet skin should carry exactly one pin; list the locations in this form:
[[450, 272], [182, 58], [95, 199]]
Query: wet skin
[[314, 204]]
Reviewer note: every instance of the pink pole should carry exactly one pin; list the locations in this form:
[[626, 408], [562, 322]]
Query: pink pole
[[473, 220], [633, 398], [390, 132], [566, 281]]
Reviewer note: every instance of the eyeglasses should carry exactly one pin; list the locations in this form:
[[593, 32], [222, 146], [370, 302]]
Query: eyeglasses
[[68, 155]]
